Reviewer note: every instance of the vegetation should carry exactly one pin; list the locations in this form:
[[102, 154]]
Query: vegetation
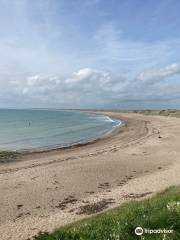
[[168, 112], [160, 212], [163, 112], [4, 155]]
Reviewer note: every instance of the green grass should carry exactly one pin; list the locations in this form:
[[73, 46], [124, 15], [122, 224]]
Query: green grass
[[7, 155], [161, 211]]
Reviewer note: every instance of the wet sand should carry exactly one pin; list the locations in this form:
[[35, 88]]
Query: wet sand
[[42, 191]]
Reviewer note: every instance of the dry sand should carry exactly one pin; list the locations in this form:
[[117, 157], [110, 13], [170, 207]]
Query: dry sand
[[42, 191]]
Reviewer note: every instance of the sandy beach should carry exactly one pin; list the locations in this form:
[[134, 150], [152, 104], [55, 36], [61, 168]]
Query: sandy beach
[[43, 191]]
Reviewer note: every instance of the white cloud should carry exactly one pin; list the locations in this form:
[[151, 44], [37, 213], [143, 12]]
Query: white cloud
[[88, 76], [92, 87], [87, 85], [81, 75], [158, 74]]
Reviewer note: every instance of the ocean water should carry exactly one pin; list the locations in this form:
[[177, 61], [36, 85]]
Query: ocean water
[[22, 130]]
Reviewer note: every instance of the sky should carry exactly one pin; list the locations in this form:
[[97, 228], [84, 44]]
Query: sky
[[122, 54]]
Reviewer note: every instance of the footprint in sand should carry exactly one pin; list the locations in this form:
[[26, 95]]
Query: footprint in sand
[[124, 180], [89, 192], [37, 207], [19, 206], [104, 185]]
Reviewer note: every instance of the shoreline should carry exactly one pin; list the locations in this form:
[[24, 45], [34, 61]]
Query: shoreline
[[81, 143], [21, 154], [43, 191]]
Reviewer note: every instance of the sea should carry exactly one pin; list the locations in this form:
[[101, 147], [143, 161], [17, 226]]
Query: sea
[[38, 130]]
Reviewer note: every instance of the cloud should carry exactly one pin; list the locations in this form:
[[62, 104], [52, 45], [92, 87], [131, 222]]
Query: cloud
[[88, 76], [86, 86], [89, 87], [36, 86], [151, 75], [81, 75], [93, 87], [45, 48]]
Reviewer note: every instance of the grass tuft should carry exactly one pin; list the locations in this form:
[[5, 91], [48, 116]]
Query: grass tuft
[[7, 155]]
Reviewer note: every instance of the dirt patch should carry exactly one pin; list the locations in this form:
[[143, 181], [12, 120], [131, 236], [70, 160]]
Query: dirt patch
[[69, 200], [92, 208], [136, 195]]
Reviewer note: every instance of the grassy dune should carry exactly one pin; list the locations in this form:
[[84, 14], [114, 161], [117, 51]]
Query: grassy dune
[[165, 112], [168, 112], [160, 212]]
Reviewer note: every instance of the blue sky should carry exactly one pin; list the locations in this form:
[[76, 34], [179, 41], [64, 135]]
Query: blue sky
[[90, 53]]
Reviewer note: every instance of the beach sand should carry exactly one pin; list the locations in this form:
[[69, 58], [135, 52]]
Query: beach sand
[[43, 191]]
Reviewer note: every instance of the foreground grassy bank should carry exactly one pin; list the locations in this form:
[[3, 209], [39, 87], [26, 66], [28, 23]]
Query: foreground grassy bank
[[159, 212]]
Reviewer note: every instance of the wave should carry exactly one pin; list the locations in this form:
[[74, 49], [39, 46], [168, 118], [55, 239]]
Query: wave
[[106, 119]]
